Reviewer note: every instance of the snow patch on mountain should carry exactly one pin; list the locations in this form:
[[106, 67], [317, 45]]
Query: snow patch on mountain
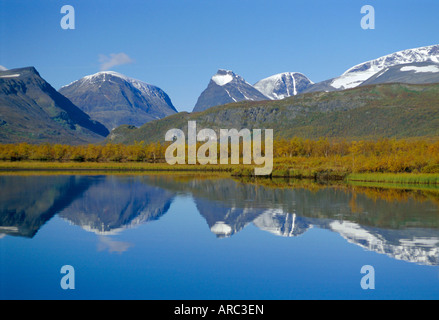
[[106, 76], [222, 79], [15, 75], [432, 68], [352, 80]]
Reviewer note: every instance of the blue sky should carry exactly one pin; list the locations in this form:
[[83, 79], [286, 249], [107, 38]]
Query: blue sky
[[179, 44]]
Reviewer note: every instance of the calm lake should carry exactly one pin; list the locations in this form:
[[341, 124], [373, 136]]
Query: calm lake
[[198, 237]]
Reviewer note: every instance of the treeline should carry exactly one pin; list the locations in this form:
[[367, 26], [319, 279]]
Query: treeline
[[384, 155], [138, 152]]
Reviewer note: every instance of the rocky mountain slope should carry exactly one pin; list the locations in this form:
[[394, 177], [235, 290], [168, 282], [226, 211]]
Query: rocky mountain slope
[[31, 110]]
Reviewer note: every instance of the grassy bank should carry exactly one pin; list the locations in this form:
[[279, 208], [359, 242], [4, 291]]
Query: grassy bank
[[317, 173], [395, 178], [110, 166]]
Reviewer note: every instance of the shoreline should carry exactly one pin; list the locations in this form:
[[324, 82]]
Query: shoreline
[[402, 178]]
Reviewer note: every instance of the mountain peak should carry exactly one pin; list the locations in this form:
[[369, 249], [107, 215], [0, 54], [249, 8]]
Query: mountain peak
[[9, 73], [283, 85], [225, 71], [223, 77], [108, 73], [106, 76], [227, 87]]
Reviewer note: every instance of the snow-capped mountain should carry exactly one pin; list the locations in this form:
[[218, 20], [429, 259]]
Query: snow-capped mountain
[[283, 85], [227, 87], [359, 74], [115, 99]]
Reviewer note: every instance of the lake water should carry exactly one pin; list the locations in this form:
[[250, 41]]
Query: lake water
[[192, 237]]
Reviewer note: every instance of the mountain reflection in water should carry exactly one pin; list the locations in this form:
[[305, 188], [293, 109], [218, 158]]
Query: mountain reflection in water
[[403, 224]]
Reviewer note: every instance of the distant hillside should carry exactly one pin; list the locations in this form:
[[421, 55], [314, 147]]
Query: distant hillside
[[367, 112], [31, 110]]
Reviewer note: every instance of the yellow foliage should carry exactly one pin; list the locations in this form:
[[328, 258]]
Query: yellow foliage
[[386, 155]]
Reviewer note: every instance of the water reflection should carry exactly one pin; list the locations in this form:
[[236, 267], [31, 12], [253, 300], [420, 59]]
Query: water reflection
[[112, 246], [28, 202], [112, 204], [403, 224]]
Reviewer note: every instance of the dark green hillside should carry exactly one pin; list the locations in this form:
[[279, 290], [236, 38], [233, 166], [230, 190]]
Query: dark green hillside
[[368, 112]]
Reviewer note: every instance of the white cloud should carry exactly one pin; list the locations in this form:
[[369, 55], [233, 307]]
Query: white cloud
[[114, 59], [3, 68]]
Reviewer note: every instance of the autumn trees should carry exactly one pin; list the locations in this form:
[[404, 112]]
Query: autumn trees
[[386, 155]]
